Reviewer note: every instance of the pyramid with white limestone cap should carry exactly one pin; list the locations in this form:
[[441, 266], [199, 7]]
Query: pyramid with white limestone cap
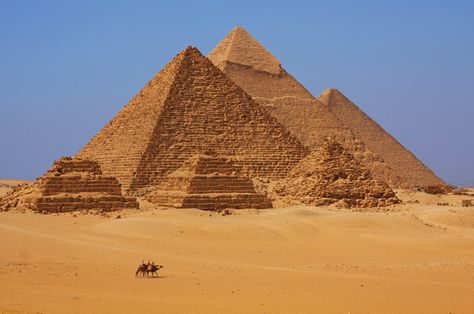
[[242, 58]]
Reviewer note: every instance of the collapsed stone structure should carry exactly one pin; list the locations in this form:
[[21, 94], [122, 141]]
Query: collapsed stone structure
[[71, 184], [332, 175], [243, 59], [188, 108], [210, 183]]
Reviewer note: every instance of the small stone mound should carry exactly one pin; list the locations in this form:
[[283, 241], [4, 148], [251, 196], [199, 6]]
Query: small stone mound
[[209, 183], [330, 175], [436, 189], [70, 184]]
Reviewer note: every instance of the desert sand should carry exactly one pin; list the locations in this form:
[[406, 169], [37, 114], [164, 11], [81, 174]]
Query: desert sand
[[418, 258]]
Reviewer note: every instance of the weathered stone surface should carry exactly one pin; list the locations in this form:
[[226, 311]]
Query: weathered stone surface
[[208, 182], [188, 108], [332, 175], [71, 184]]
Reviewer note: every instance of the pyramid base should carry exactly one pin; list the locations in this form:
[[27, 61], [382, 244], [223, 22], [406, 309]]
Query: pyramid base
[[70, 203], [210, 201]]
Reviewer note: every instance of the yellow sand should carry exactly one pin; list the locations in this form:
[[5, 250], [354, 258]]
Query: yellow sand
[[419, 259]]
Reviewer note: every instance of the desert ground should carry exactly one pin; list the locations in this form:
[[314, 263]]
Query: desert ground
[[418, 258]]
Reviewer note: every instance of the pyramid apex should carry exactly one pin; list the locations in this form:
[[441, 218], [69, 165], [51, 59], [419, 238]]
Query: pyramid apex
[[239, 47], [330, 95], [330, 91], [238, 28], [189, 50]]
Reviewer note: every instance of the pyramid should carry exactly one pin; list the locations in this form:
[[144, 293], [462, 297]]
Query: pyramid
[[241, 57], [412, 171], [188, 108], [70, 184], [210, 183], [332, 175]]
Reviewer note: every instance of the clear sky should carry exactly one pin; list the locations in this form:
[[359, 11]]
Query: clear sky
[[66, 67]]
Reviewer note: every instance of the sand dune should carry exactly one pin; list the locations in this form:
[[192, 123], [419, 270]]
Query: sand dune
[[418, 259]]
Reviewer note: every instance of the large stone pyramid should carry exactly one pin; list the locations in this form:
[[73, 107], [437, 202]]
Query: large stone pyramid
[[241, 57], [188, 108], [332, 175], [71, 184], [210, 183], [407, 166], [261, 75]]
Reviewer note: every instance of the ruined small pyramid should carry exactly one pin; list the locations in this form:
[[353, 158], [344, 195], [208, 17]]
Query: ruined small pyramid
[[209, 183], [412, 171], [188, 108], [241, 57], [71, 184], [331, 175]]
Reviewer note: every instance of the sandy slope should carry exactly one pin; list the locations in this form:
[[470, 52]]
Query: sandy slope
[[292, 260]]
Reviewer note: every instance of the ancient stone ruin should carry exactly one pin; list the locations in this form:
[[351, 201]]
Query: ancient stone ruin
[[71, 184], [331, 175], [244, 60], [188, 108], [210, 183]]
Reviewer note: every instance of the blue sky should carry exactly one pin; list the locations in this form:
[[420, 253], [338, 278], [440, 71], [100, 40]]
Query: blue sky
[[66, 67]]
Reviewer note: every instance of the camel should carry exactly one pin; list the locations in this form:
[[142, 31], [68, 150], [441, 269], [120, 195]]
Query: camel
[[146, 269], [141, 270], [153, 269]]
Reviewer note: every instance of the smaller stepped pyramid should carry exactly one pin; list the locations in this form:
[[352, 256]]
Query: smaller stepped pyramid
[[332, 175], [71, 184], [210, 183], [412, 171]]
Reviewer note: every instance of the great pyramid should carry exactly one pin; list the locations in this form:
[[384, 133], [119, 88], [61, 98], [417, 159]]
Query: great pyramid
[[331, 175], [208, 182], [241, 57], [189, 108], [407, 166], [70, 184]]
